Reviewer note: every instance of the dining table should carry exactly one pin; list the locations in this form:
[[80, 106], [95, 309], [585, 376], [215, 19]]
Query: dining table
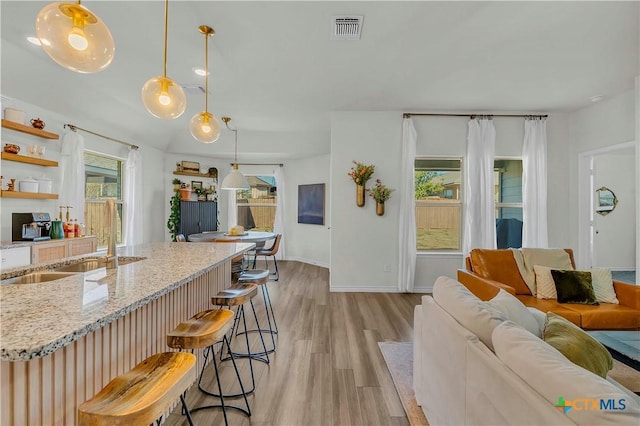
[[258, 237]]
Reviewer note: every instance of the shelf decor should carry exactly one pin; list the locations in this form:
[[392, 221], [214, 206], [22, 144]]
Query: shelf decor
[[380, 193], [360, 174]]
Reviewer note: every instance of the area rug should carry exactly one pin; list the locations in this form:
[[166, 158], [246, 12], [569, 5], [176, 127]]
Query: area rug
[[399, 359]]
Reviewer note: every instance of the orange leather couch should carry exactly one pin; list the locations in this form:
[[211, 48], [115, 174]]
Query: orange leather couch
[[487, 271]]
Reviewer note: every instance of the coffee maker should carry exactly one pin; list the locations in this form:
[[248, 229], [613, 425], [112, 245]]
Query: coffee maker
[[30, 226]]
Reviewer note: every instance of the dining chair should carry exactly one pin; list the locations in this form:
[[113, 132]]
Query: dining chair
[[266, 252]]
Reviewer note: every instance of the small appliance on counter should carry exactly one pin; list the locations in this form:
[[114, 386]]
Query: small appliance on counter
[[30, 226]]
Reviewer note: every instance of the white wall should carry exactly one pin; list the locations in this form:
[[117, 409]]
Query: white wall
[[606, 123], [615, 242], [152, 185], [307, 243], [362, 244]]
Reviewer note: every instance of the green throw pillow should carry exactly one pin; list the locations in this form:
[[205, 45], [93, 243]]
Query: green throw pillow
[[576, 345], [574, 287]]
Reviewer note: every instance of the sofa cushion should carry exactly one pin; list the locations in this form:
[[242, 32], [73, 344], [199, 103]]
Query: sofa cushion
[[514, 310], [600, 278], [576, 345], [471, 312], [574, 287], [606, 316], [498, 265], [565, 310], [561, 382]]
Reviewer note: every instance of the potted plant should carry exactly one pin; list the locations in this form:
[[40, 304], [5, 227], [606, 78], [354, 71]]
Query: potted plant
[[185, 191], [380, 193], [202, 193], [360, 175], [174, 216], [176, 184]]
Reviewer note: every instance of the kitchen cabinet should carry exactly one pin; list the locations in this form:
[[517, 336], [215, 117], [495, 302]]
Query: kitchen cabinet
[[15, 257], [198, 216], [47, 251]]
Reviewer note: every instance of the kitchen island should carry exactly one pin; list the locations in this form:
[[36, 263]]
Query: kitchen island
[[62, 341]]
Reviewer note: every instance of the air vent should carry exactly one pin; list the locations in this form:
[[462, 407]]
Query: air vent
[[193, 89], [347, 27]]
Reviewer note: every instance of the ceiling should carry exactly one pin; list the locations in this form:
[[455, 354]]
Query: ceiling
[[277, 72]]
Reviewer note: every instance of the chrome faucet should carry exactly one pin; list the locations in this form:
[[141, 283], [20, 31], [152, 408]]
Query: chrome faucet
[[112, 257]]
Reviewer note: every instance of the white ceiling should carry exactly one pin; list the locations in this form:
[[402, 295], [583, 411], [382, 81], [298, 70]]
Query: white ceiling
[[278, 74]]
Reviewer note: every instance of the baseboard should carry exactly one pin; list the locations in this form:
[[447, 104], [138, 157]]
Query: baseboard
[[368, 289], [308, 261]]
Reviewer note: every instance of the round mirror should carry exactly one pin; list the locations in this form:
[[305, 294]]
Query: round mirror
[[606, 201]]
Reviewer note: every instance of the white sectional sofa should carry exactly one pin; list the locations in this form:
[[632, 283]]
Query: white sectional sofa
[[460, 380]]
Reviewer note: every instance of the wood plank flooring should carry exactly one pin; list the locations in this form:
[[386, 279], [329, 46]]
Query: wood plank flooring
[[327, 369]]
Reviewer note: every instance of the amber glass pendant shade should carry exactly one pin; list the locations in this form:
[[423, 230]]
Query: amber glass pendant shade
[[74, 37], [205, 127], [164, 98]]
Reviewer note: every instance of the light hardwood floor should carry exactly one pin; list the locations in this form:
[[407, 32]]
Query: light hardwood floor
[[328, 369]]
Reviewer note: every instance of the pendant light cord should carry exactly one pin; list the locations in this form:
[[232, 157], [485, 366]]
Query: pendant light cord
[[166, 25], [206, 70]]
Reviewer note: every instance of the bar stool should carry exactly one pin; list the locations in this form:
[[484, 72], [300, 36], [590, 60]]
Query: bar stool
[[144, 393], [260, 277], [202, 331]]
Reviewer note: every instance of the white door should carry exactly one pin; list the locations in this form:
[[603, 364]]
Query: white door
[[614, 231]]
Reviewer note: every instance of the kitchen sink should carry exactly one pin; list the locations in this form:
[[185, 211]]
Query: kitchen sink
[[92, 263], [37, 277]]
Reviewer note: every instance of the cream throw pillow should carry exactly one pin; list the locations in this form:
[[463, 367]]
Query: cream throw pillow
[[600, 277], [515, 311], [472, 313]]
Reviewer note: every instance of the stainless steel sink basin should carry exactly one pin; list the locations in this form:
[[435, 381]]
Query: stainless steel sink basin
[[90, 264], [37, 277]]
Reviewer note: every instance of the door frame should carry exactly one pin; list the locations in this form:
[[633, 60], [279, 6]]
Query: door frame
[[586, 191]]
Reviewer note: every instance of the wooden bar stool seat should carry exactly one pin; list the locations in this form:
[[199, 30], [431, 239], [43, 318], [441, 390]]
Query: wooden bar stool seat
[[236, 295], [203, 331], [143, 394], [261, 278]]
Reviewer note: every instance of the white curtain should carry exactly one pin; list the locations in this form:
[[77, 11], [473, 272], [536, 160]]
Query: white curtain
[[133, 198], [407, 230], [72, 171], [232, 210], [479, 199], [279, 221], [534, 184]]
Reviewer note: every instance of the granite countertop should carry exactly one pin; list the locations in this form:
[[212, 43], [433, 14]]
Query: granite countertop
[[38, 319]]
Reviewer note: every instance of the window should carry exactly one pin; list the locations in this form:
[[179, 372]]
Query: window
[[438, 203], [508, 196], [103, 180], [257, 206]]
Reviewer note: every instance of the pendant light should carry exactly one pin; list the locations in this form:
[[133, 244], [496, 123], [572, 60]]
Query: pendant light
[[204, 126], [163, 97], [74, 37], [234, 180]]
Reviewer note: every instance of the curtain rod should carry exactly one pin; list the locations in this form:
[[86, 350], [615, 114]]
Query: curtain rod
[[411, 114], [258, 164], [74, 128]]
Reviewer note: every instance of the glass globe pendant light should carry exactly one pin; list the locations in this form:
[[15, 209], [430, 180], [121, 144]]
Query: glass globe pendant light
[[74, 37], [163, 97], [204, 126], [234, 180]]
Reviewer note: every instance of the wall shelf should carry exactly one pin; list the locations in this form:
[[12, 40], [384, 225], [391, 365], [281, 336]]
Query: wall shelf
[[196, 174], [28, 129], [29, 160], [37, 195]]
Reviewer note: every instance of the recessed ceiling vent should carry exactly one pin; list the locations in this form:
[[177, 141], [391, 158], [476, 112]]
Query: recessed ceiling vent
[[347, 27], [193, 89]]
